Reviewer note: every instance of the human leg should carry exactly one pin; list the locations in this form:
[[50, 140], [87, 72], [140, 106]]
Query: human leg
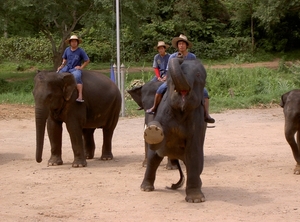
[[64, 69], [158, 96], [77, 76], [207, 117], [157, 100]]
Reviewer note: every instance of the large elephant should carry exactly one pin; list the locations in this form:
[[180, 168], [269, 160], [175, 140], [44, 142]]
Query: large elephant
[[178, 129], [290, 102], [55, 103]]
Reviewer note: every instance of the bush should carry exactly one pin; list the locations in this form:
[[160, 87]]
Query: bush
[[25, 48]]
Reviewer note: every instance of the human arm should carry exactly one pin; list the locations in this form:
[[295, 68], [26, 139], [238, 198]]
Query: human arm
[[85, 58], [83, 65], [64, 62]]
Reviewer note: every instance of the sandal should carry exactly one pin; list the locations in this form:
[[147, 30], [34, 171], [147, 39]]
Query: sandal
[[80, 100]]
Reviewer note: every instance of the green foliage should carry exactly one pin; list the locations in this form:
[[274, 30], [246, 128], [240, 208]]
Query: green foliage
[[222, 48], [26, 48], [244, 87]]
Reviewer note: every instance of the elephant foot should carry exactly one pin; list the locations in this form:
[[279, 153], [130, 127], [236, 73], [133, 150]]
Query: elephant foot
[[79, 163], [153, 134], [55, 161], [195, 198], [297, 169], [147, 187], [106, 157], [89, 156]]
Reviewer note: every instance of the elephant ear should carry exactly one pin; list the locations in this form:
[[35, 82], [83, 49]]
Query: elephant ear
[[69, 85], [283, 99]]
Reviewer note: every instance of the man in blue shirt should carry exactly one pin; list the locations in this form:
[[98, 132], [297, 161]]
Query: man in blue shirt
[[182, 44], [72, 62], [160, 62]]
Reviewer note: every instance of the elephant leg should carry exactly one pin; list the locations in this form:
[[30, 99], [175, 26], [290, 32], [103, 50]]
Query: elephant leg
[[297, 167], [153, 161], [171, 165], [290, 131], [89, 143], [55, 136], [194, 167], [144, 164], [106, 147], [148, 118], [75, 132]]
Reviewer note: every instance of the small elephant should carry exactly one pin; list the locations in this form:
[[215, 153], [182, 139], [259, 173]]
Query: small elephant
[[178, 128], [144, 97], [55, 103], [290, 102]]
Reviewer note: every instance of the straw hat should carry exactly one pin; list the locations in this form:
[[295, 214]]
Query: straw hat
[[161, 43], [73, 37], [181, 38]]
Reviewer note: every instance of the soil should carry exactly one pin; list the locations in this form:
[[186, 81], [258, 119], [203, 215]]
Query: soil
[[248, 174]]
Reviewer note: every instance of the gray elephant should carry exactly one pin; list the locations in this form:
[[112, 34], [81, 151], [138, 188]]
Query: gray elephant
[[144, 97], [290, 102], [55, 103], [178, 128]]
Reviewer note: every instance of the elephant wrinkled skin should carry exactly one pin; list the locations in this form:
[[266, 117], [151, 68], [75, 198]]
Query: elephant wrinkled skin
[[290, 102], [55, 103], [178, 128]]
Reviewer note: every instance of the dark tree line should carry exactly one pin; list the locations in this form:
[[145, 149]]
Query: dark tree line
[[218, 28]]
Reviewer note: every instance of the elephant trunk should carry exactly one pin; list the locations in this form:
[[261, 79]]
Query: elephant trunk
[[40, 125], [178, 77]]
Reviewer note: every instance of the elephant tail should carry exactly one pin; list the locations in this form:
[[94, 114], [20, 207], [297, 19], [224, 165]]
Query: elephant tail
[[181, 179]]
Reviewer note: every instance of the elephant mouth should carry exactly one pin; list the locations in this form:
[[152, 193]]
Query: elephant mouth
[[183, 92]]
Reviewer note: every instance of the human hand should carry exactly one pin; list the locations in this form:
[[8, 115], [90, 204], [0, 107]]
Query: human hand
[[59, 68]]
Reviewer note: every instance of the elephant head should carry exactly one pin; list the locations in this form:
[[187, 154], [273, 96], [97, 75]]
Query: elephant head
[[51, 91], [187, 78]]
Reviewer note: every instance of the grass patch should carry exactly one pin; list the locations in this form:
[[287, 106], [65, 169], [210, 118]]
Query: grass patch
[[231, 88]]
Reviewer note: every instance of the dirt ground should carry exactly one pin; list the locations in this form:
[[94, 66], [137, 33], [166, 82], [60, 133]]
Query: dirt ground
[[248, 174]]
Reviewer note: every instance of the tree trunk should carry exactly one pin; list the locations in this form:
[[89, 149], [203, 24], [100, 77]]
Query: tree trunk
[[252, 35]]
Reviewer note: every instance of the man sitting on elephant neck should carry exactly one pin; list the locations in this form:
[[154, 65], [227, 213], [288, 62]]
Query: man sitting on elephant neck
[[182, 44], [72, 62]]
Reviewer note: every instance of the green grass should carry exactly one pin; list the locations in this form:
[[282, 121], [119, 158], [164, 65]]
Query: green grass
[[231, 88]]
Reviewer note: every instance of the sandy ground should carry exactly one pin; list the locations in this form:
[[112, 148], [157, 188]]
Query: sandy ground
[[248, 174]]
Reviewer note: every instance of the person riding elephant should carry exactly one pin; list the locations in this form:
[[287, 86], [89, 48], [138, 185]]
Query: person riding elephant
[[55, 103], [160, 62], [178, 128], [182, 44], [290, 102], [72, 62]]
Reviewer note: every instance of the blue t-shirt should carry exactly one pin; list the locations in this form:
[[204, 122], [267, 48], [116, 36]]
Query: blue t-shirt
[[74, 58], [189, 56], [161, 62]]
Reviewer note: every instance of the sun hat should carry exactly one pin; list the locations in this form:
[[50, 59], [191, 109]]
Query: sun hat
[[181, 38], [161, 43], [73, 37]]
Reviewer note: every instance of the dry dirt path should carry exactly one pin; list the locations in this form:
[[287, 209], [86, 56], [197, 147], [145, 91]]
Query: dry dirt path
[[248, 175]]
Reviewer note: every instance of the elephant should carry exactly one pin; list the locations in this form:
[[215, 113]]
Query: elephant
[[55, 103], [178, 128], [290, 102], [144, 97]]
